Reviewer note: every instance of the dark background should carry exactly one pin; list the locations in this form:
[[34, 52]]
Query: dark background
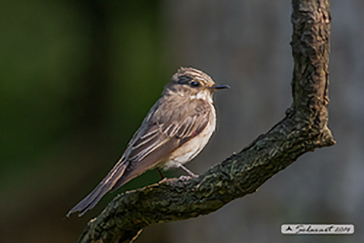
[[78, 77]]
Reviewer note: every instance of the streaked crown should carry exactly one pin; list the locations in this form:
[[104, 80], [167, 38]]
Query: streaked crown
[[186, 75], [191, 80]]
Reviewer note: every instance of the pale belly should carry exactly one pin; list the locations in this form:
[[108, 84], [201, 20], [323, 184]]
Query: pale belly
[[191, 148]]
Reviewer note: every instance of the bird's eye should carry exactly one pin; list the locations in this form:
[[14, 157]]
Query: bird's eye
[[195, 84]]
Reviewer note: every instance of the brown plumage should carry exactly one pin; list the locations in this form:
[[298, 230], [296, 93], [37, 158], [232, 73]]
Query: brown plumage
[[174, 131]]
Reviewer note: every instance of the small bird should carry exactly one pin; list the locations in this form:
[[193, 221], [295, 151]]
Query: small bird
[[175, 130]]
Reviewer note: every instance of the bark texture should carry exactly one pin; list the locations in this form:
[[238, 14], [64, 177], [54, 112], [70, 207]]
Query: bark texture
[[303, 129]]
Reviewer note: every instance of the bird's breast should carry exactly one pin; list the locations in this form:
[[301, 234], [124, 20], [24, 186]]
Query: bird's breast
[[193, 147]]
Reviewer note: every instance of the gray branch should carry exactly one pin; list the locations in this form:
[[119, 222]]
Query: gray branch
[[303, 129]]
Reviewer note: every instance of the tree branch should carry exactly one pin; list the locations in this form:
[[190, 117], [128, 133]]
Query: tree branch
[[302, 130]]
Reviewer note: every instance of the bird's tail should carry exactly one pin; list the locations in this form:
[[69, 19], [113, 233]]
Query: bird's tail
[[102, 188]]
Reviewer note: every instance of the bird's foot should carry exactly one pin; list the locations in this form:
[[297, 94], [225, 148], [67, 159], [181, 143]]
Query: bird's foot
[[190, 173]]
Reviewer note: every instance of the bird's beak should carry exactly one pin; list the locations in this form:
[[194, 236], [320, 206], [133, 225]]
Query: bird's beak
[[219, 86]]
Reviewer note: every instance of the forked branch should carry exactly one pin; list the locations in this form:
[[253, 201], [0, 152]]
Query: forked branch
[[302, 130]]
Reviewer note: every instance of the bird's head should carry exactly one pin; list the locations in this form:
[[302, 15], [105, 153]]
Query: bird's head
[[193, 82]]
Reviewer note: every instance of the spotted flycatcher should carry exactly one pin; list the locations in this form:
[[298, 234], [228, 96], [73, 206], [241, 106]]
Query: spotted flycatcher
[[175, 130]]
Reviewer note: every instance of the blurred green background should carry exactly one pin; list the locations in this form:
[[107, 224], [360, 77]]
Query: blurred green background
[[78, 77]]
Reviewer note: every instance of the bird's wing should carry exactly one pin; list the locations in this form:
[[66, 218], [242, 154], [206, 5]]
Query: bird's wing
[[164, 130]]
